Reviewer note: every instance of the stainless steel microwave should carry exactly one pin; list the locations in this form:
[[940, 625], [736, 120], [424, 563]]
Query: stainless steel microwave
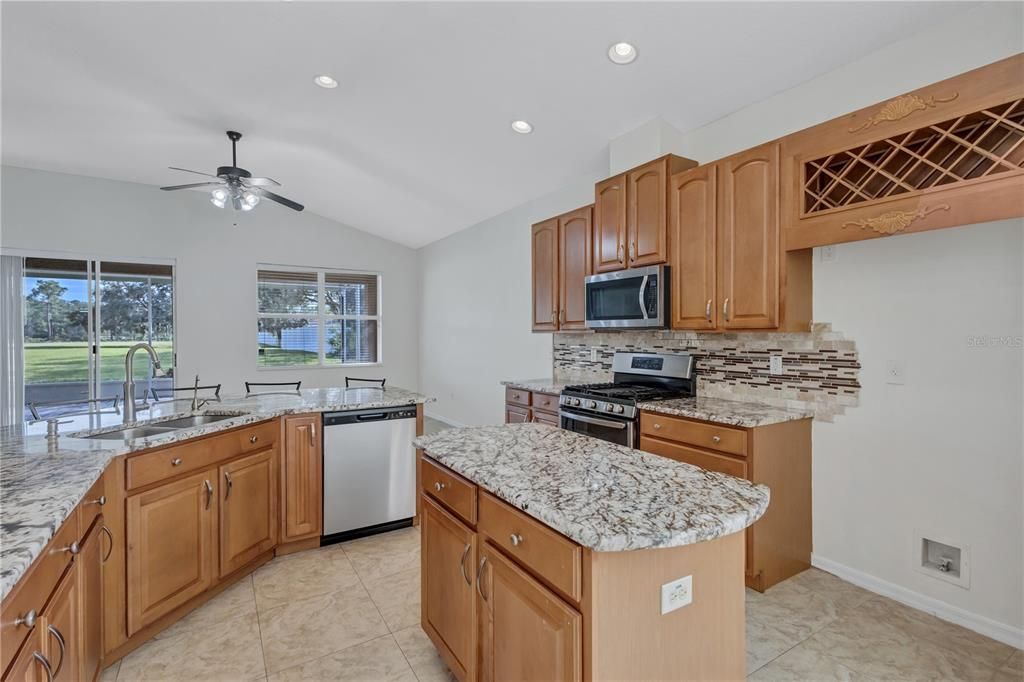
[[628, 298]]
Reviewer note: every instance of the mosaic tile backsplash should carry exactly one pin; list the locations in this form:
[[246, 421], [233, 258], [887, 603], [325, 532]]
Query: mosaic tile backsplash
[[820, 368]]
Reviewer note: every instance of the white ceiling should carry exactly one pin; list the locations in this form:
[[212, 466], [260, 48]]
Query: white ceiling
[[415, 143]]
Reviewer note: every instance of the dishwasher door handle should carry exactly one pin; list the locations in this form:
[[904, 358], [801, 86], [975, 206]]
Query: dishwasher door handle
[[376, 417]]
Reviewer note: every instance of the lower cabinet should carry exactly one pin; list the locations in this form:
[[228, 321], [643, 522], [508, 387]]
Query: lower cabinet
[[525, 406], [90, 581], [248, 509], [171, 539], [448, 597], [526, 631], [31, 664], [516, 415], [61, 619], [302, 478]]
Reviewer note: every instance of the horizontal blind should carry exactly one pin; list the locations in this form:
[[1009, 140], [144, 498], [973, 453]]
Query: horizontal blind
[[285, 292], [350, 293]]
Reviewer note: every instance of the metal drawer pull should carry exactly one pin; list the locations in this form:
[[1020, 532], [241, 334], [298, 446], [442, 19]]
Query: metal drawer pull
[[253, 438], [73, 549], [479, 573], [209, 493], [45, 663], [438, 486], [716, 439], [227, 485], [707, 310], [312, 436], [63, 648], [101, 500], [516, 539], [110, 536], [28, 620], [176, 462], [725, 309], [657, 425], [462, 564]]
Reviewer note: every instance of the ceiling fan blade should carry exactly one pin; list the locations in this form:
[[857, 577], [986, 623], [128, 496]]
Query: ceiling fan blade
[[192, 171], [278, 198], [193, 185], [261, 182]]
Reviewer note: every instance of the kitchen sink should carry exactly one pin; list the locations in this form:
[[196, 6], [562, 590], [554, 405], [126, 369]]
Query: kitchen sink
[[194, 420], [131, 432]]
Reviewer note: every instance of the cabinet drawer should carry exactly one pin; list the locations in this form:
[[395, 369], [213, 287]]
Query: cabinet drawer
[[255, 436], [516, 396], [553, 558], [92, 504], [712, 461], [710, 436], [34, 589], [549, 418], [545, 402], [450, 489]]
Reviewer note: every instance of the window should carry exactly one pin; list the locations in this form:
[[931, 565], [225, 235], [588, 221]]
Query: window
[[317, 318]]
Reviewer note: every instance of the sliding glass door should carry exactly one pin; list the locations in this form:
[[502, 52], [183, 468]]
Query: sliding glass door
[[80, 318]]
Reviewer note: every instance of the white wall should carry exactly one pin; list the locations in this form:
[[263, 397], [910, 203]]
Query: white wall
[[215, 265], [943, 453]]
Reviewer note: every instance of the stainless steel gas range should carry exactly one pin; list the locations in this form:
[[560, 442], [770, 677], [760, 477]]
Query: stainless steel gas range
[[609, 411]]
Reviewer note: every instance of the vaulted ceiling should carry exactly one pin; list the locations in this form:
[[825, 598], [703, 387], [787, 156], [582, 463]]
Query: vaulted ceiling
[[414, 144]]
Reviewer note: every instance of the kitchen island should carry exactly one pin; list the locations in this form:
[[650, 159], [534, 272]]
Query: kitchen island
[[551, 555]]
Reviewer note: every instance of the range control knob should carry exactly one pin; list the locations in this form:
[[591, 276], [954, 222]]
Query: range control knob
[[620, 409], [609, 408], [576, 402], [592, 404]]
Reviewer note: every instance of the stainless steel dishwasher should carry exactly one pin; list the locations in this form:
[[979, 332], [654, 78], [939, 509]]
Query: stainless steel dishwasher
[[369, 471]]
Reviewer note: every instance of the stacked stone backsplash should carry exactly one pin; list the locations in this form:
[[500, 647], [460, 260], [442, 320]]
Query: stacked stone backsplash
[[820, 367]]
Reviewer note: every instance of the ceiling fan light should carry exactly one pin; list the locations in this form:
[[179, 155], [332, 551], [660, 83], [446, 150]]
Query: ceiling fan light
[[249, 199], [219, 203], [219, 194]]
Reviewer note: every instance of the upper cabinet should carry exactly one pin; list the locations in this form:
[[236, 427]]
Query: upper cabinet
[[631, 215], [562, 249], [947, 154], [693, 232]]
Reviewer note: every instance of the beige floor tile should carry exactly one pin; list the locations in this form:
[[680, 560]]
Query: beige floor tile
[[302, 575], [1007, 675], [843, 594], [803, 663], [1016, 662], [379, 659], [422, 656], [237, 600], [305, 629], [766, 642], [109, 673], [226, 650], [397, 597], [385, 554]]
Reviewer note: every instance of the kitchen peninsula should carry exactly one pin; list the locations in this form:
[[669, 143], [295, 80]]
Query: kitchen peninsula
[[559, 556]]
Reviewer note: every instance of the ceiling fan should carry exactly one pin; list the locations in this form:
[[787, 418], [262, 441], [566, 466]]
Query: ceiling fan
[[236, 186]]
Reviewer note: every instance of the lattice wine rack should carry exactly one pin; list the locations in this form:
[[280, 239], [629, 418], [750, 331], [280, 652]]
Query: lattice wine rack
[[976, 145]]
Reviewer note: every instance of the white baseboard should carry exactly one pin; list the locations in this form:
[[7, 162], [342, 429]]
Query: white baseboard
[[446, 420], [1001, 632]]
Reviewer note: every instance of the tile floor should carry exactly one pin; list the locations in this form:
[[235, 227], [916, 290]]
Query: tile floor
[[351, 612]]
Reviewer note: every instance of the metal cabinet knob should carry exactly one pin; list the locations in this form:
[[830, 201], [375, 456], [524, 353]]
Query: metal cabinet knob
[[716, 439], [516, 539], [439, 486], [253, 438], [101, 500], [176, 462], [73, 548], [657, 425], [28, 620]]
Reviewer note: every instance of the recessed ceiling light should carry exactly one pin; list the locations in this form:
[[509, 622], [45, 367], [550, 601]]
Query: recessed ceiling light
[[622, 53], [522, 127], [325, 81]]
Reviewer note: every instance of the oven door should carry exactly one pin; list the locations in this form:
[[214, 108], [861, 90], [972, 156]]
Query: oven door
[[611, 429], [628, 298]]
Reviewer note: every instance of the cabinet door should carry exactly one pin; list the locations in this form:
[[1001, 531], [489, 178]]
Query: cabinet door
[[693, 224], [647, 214], [610, 224], [448, 557], [302, 463], [90, 576], [748, 239], [171, 538], [62, 634], [547, 418], [516, 415], [545, 276], [526, 632], [248, 509], [31, 663], [575, 244]]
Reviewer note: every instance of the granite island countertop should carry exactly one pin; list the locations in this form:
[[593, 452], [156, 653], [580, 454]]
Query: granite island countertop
[[42, 482], [604, 496], [721, 411], [555, 384]]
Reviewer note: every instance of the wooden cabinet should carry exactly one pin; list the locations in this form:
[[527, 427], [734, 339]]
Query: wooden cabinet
[[248, 509], [31, 664], [531, 406], [302, 479], [90, 576], [62, 635], [694, 226], [631, 215], [448, 600], [544, 247], [171, 533], [561, 257], [526, 631], [516, 415]]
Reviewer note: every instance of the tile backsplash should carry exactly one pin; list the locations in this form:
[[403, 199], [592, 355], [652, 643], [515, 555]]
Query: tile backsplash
[[820, 368]]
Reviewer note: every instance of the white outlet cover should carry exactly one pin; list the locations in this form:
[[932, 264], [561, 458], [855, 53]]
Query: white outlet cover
[[895, 372], [828, 253], [676, 594], [775, 364]]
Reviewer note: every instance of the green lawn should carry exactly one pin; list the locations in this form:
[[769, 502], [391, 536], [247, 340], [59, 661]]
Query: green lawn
[[273, 357], [51, 362]]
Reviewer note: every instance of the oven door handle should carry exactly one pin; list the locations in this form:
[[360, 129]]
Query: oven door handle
[[593, 420], [643, 292]]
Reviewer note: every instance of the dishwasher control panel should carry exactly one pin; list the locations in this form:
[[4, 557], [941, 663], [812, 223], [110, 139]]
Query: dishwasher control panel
[[363, 415]]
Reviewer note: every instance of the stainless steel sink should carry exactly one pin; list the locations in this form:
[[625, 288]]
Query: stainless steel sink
[[194, 420], [131, 432]]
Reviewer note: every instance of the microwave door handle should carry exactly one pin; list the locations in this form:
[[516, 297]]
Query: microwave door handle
[[593, 420], [643, 291]]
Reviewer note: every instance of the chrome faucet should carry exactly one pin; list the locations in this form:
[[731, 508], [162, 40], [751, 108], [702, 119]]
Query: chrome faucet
[[129, 377]]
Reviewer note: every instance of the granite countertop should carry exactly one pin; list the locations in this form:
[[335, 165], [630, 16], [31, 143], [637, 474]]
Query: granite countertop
[[603, 496], [720, 411], [42, 482], [555, 384]]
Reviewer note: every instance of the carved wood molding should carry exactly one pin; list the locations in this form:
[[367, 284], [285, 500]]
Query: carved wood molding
[[895, 221], [901, 107]]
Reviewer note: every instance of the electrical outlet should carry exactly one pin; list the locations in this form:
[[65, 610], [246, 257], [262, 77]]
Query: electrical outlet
[[593, 355], [676, 594], [828, 254], [895, 372], [775, 364]]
